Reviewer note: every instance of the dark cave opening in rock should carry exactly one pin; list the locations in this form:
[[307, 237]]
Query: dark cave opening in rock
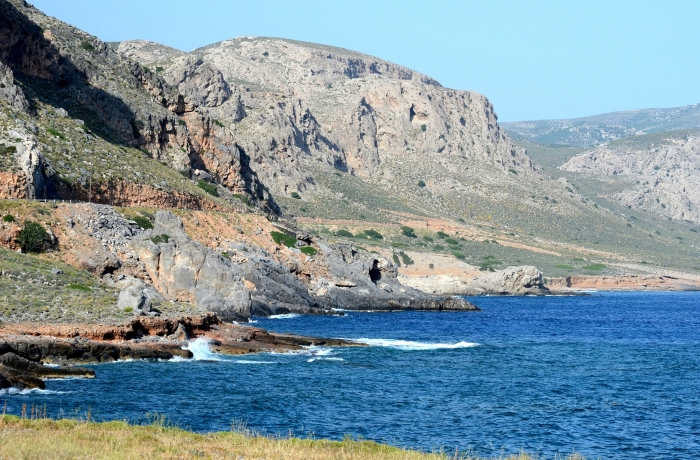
[[374, 273]]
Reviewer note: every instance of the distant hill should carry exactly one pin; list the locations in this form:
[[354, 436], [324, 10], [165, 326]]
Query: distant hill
[[597, 129]]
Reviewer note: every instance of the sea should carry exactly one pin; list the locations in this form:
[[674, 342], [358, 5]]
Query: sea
[[607, 375]]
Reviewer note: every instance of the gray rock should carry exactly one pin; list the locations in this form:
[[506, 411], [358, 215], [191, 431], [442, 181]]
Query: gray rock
[[184, 270]]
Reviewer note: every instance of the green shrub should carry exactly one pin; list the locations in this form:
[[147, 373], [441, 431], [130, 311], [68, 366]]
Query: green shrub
[[442, 235], [295, 195], [283, 238], [373, 234], [218, 123], [512, 171], [451, 241], [55, 132], [5, 149], [243, 198], [79, 287], [309, 250], [396, 260], [143, 222], [160, 239], [344, 234], [207, 187], [594, 267], [421, 184], [408, 231], [128, 309], [8, 218], [226, 255], [87, 46], [159, 69], [428, 239], [458, 255], [423, 128], [406, 259], [266, 54], [31, 238], [181, 122]]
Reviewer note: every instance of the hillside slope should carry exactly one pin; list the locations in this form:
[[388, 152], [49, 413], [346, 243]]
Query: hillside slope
[[664, 169], [597, 129]]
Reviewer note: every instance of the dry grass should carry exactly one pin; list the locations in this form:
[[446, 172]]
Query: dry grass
[[72, 439]]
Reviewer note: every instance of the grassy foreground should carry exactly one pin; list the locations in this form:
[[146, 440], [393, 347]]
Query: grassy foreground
[[73, 439]]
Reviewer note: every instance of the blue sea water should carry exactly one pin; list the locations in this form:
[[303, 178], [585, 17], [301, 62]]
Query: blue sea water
[[611, 375]]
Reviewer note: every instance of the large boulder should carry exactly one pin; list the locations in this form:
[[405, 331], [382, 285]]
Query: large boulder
[[182, 269]]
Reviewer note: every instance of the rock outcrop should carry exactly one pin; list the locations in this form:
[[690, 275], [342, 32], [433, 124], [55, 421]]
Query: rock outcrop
[[526, 280], [184, 270]]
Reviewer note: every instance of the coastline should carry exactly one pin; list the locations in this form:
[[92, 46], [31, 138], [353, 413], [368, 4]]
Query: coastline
[[27, 348]]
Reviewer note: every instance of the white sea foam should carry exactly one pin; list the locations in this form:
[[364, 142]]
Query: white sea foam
[[332, 358], [414, 346], [284, 316], [246, 361], [31, 391], [200, 350]]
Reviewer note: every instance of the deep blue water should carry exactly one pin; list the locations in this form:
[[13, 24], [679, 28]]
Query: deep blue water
[[614, 375]]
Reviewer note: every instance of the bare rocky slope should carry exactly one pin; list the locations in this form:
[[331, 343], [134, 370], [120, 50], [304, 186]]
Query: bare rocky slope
[[663, 170]]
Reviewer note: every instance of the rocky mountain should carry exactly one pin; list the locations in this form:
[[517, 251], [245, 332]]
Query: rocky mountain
[[662, 170], [594, 130], [290, 102]]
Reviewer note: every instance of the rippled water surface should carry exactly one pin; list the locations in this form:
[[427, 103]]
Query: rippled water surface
[[610, 376]]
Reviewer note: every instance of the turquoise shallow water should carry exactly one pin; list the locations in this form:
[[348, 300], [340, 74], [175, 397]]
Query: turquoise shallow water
[[610, 376]]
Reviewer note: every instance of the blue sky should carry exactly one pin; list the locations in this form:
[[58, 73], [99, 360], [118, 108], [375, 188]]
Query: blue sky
[[533, 59]]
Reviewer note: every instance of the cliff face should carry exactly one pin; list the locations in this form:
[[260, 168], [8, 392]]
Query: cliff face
[[287, 102], [662, 170], [47, 66]]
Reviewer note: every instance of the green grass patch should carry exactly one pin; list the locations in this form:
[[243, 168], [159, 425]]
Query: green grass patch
[[344, 234], [55, 132], [143, 222], [283, 238], [8, 218], [309, 250], [594, 267], [79, 287]]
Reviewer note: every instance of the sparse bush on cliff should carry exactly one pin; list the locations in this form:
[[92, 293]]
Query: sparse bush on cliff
[[79, 287], [459, 255], [87, 46], [295, 195], [8, 218], [421, 184], [406, 259], [31, 238], [344, 234], [423, 128], [428, 239], [283, 238], [442, 235], [7, 149], [160, 239], [207, 187], [408, 231], [396, 260], [309, 250]]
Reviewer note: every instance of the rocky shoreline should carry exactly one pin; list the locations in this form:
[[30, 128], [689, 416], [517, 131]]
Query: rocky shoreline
[[31, 353]]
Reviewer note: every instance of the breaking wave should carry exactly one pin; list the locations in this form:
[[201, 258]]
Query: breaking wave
[[414, 346]]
